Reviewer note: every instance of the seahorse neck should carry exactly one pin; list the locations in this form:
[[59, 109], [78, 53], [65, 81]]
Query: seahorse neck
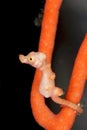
[[43, 66]]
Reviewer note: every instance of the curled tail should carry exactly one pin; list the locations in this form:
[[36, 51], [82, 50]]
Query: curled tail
[[67, 103]]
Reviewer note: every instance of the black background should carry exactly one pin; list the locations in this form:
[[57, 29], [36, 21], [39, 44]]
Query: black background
[[20, 35]]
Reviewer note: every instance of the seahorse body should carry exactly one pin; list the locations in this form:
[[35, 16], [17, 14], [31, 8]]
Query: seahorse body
[[47, 85]]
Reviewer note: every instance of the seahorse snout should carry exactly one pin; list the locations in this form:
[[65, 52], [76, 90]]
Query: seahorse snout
[[22, 58]]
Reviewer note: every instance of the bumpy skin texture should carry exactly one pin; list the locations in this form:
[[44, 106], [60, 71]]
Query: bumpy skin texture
[[47, 85]]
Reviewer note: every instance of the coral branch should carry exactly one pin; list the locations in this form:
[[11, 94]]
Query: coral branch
[[79, 74], [49, 26], [42, 114], [66, 117]]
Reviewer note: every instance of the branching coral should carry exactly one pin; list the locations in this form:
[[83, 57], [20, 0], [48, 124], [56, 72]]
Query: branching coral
[[43, 115]]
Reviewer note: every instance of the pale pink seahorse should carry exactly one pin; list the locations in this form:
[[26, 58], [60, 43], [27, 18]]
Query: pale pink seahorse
[[47, 85]]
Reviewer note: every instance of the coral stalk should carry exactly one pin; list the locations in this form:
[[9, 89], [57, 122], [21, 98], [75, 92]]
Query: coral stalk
[[79, 74], [49, 27], [66, 117], [42, 114]]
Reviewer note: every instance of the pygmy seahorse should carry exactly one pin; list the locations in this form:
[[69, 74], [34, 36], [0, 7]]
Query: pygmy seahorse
[[47, 86]]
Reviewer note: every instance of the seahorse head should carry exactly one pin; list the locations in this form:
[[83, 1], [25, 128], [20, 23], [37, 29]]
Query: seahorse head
[[35, 59]]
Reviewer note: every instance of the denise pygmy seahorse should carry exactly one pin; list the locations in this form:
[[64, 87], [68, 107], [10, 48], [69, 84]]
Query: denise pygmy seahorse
[[47, 85]]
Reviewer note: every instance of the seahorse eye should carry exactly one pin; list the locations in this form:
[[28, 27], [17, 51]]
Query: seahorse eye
[[30, 58]]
